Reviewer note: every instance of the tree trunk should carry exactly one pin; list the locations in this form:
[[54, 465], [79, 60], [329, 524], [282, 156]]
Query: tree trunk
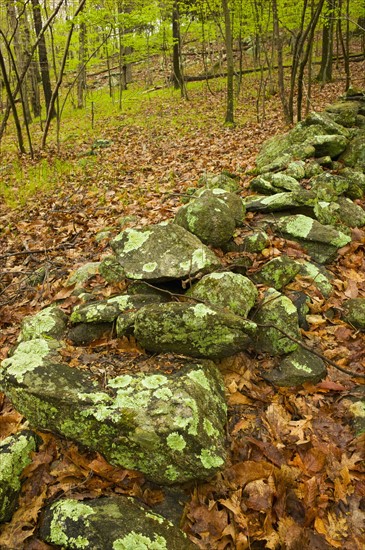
[[81, 80], [230, 66], [279, 47], [43, 59], [325, 71], [12, 104], [178, 78]]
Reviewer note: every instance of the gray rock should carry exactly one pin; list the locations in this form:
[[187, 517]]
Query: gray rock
[[328, 187], [222, 181], [15, 455], [82, 274], [162, 252], [341, 212], [233, 201], [344, 112], [256, 242], [278, 311], [272, 183], [197, 330], [329, 126], [273, 203], [168, 426], [277, 272], [111, 523], [297, 368], [111, 270], [85, 333], [317, 275], [331, 145], [226, 289], [296, 169], [209, 218], [354, 312], [354, 156], [321, 241], [356, 182], [50, 321]]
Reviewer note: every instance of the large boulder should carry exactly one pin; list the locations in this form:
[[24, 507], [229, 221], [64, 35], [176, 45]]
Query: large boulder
[[162, 252], [354, 155], [197, 330], [226, 289], [167, 423], [209, 218], [112, 523]]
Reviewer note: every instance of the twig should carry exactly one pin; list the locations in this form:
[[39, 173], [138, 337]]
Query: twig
[[36, 251], [323, 357]]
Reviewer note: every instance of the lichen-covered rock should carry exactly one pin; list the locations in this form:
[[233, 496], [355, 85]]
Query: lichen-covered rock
[[354, 156], [344, 112], [296, 169], [356, 182], [50, 321], [83, 273], [197, 330], [233, 201], [209, 218], [222, 181], [278, 311], [168, 426], [111, 523], [328, 187], [15, 455], [354, 312], [106, 311], [343, 212], [256, 242], [297, 368], [30, 355], [85, 333], [277, 272], [226, 289], [329, 145], [317, 275], [111, 270], [272, 203], [321, 241], [269, 183], [312, 168], [162, 252], [326, 122]]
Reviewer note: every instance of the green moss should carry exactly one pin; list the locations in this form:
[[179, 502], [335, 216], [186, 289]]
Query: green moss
[[136, 541], [172, 473], [176, 441]]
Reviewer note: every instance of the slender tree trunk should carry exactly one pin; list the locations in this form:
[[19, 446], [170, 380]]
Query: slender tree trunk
[[43, 59], [81, 81], [230, 65], [325, 71], [178, 77], [279, 46], [12, 104]]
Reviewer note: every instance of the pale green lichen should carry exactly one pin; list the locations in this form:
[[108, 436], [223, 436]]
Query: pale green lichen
[[172, 473], [136, 541], [209, 460], [199, 377], [74, 510], [301, 366], [201, 310], [300, 226], [27, 357], [192, 416], [149, 267], [209, 428], [122, 301], [135, 239], [154, 381], [219, 275], [39, 325], [15, 459], [358, 409], [155, 517], [163, 393], [120, 381], [176, 441]]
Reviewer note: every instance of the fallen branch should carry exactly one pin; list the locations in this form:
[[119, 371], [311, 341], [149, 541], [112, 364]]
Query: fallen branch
[[36, 251]]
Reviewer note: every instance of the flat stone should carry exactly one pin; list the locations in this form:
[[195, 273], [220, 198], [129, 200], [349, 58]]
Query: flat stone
[[162, 252], [50, 321], [277, 273], [354, 312], [297, 368]]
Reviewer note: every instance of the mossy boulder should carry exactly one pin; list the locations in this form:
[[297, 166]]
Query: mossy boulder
[[296, 169], [329, 145], [111, 523], [233, 201], [50, 321], [197, 330], [269, 183], [356, 182], [320, 241], [15, 454], [354, 312], [343, 211], [272, 203], [209, 218], [328, 187], [316, 275], [82, 274], [111, 269], [326, 122], [222, 181], [168, 426], [86, 333], [354, 156], [162, 252], [298, 367], [277, 272], [344, 112], [256, 242], [276, 310], [226, 289]]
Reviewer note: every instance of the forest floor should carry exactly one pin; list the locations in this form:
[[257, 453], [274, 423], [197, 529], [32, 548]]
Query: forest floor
[[293, 479]]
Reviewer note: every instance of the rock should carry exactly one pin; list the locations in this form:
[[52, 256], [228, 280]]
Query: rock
[[111, 523], [15, 455], [170, 427], [256, 242], [354, 156], [277, 272], [354, 312], [111, 270], [269, 183], [312, 168], [301, 301], [82, 274], [197, 330], [233, 201], [106, 311], [321, 241], [356, 183], [317, 275], [326, 122], [273, 203], [209, 218], [226, 289], [85, 333], [222, 181], [50, 321], [297, 368], [344, 112], [162, 252], [296, 169], [277, 310], [328, 187], [343, 211], [262, 186], [331, 145]]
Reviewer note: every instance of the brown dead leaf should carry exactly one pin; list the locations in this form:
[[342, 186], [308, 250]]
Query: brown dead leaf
[[260, 495]]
